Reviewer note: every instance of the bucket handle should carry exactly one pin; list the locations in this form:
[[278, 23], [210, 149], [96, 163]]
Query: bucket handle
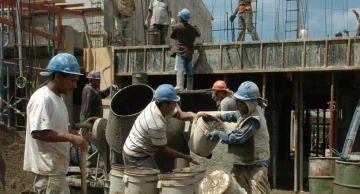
[[127, 179]]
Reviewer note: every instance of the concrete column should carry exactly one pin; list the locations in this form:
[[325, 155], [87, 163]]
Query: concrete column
[[68, 47]]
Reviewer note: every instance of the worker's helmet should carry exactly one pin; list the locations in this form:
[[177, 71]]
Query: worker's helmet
[[247, 91], [65, 63], [184, 14], [220, 85], [94, 75], [166, 93], [338, 34]]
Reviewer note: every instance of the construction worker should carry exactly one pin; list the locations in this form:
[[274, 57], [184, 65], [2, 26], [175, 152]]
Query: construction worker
[[224, 97], [148, 134], [248, 142], [338, 34], [245, 14], [159, 16], [91, 104], [123, 10], [358, 19], [184, 35], [48, 137]]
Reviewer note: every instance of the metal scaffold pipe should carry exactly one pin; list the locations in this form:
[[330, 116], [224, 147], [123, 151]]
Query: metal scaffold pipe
[[19, 36]]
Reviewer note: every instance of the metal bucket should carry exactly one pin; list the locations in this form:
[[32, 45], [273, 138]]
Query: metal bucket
[[198, 142], [125, 106], [153, 37], [220, 182], [321, 174], [141, 181], [347, 177], [176, 183], [198, 173], [117, 185]]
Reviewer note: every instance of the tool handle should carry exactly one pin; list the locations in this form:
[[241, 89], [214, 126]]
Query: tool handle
[[83, 125]]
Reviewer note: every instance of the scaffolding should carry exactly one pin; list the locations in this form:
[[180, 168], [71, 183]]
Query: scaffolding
[[17, 20]]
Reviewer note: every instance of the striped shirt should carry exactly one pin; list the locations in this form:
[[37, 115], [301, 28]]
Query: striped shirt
[[148, 132]]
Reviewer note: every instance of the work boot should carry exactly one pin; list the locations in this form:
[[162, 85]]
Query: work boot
[[190, 81], [180, 79]]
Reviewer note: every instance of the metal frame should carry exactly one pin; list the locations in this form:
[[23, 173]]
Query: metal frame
[[38, 6]]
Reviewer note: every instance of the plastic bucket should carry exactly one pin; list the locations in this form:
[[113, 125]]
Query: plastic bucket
[[117, 185], [141, 180], [198, 143], [198, 173], [176, 183]]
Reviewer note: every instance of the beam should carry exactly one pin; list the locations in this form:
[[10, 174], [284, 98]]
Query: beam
[[61, 6], [46, 2], [41, 7], [31, 30]]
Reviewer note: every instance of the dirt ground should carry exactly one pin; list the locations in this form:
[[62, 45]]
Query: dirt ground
[[219, 160], [12, 150]]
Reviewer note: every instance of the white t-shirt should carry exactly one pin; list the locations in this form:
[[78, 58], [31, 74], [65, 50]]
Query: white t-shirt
[[148, 131], [46, 111], [160, 10]]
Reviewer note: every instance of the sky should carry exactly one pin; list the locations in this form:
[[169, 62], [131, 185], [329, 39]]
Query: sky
[[322, 19]]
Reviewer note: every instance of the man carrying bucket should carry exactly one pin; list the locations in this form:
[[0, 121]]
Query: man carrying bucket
[[249, 141], [148, 134]]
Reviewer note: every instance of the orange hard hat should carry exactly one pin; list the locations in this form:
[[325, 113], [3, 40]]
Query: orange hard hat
[[220, 85]]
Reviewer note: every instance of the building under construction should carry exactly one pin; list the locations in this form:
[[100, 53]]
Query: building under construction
[[312, 85]]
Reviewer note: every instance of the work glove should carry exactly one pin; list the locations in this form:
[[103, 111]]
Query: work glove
[[213, 136], [232, 18], [115, 87], [146, 24], [172, 21]]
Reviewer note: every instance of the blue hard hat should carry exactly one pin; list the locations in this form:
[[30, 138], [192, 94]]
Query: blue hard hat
[[166, 93], [94, 75], [184, 14], [247, 91], [65, 63], [338, 34]]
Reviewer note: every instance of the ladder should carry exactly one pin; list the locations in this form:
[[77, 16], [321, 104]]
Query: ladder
[[291, 19]]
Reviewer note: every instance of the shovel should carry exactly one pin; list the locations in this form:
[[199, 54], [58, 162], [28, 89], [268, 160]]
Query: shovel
[[84, 127]]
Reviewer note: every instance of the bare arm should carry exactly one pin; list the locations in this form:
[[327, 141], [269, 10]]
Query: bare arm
[[149, 15], [177, 154], [53, 136], [184, 116], [356, 14], [236, 10]]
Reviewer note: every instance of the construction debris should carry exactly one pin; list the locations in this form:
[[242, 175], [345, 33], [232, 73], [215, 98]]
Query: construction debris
[[12, 147]]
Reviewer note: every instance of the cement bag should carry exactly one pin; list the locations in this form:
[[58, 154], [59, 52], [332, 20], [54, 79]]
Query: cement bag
[[198, 143], [125, 7], [220, 182]]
